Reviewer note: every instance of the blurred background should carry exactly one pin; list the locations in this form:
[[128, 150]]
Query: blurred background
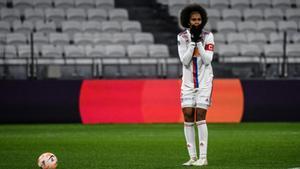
[[91, 39]]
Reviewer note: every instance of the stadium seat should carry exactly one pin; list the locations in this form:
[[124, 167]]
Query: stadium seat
[[95, 51], [297, 3], [137, 51], [131, 26], [34, 15], [273, 50], [288, 26], [22, 4], [274, 14], [118, 14], [40, 38], [74, 51], [163, 2], [226, 26], [55, 14], [71, 27], [240, 4], [276, 37], [253, 14], [236, 38], [83, 39], [296, 38], [143, 38], [3, 38], [228, 50], [97, 15], [3, 4], [10, 51], [115, 50], [219, 38], [51, 51], [25, 51], [289, 37], [59, 39], [158, 50], [76, 14], [220, 4], [292, 14], [262, 4], [247, 26], [250, 50], [10, 15], [103, 38], [257, 38], [175, 6], [123, 38], [209, 26], [111, 26], [65, 4], [16, 39], [4, 27], [281, 4], [42, 4], [293, 50], [214, 14], [205, 3], [266, 26], [25, 27], [45, 27], [2, 51], [105, 4], [91, 27], [85, 4], [232, 15]]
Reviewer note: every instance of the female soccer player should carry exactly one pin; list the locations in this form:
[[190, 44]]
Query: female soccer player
[[195, 48]]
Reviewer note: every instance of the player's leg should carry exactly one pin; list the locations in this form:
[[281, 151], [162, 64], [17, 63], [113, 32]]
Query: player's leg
[[202, 104], [202, 135], [202, 132], [189, 133]]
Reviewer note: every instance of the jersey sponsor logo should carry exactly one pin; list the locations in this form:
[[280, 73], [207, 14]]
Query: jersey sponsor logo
[[210, 47]]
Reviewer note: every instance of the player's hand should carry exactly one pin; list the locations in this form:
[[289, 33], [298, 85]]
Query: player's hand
[[195, 33], [200, 45], [191, 45]]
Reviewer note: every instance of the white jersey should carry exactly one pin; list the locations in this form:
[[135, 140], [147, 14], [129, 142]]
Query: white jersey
[[197, 72]]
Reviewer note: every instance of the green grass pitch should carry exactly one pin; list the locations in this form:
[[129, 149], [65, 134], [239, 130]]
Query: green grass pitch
[[149, 146]]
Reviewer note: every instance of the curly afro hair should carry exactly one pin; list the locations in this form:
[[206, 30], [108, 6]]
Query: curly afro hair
[[185, 15]]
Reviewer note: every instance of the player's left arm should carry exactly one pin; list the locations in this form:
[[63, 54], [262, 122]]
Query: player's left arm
[[207, 49]]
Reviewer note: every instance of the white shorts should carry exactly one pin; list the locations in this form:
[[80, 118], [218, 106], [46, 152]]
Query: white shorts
[[197, 98]]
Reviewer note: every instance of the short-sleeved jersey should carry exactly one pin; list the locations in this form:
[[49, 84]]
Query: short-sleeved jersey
[[197, 72]]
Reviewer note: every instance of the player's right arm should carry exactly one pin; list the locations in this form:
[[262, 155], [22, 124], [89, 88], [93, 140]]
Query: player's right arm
[[185, 50]]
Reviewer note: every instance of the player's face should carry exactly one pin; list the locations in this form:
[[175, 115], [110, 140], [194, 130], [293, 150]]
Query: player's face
[[195, 19]]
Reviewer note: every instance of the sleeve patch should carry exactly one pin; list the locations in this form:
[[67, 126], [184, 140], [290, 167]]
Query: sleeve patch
[[210, 47]]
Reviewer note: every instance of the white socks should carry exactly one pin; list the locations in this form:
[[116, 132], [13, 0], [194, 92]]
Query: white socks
[[203, 137], [189, 132]]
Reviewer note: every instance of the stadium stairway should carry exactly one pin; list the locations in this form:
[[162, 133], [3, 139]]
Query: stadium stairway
[[154, 18]]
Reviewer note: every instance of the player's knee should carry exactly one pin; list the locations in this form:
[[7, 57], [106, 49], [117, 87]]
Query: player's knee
[[201, 115], [189, 117], [188, 114]]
